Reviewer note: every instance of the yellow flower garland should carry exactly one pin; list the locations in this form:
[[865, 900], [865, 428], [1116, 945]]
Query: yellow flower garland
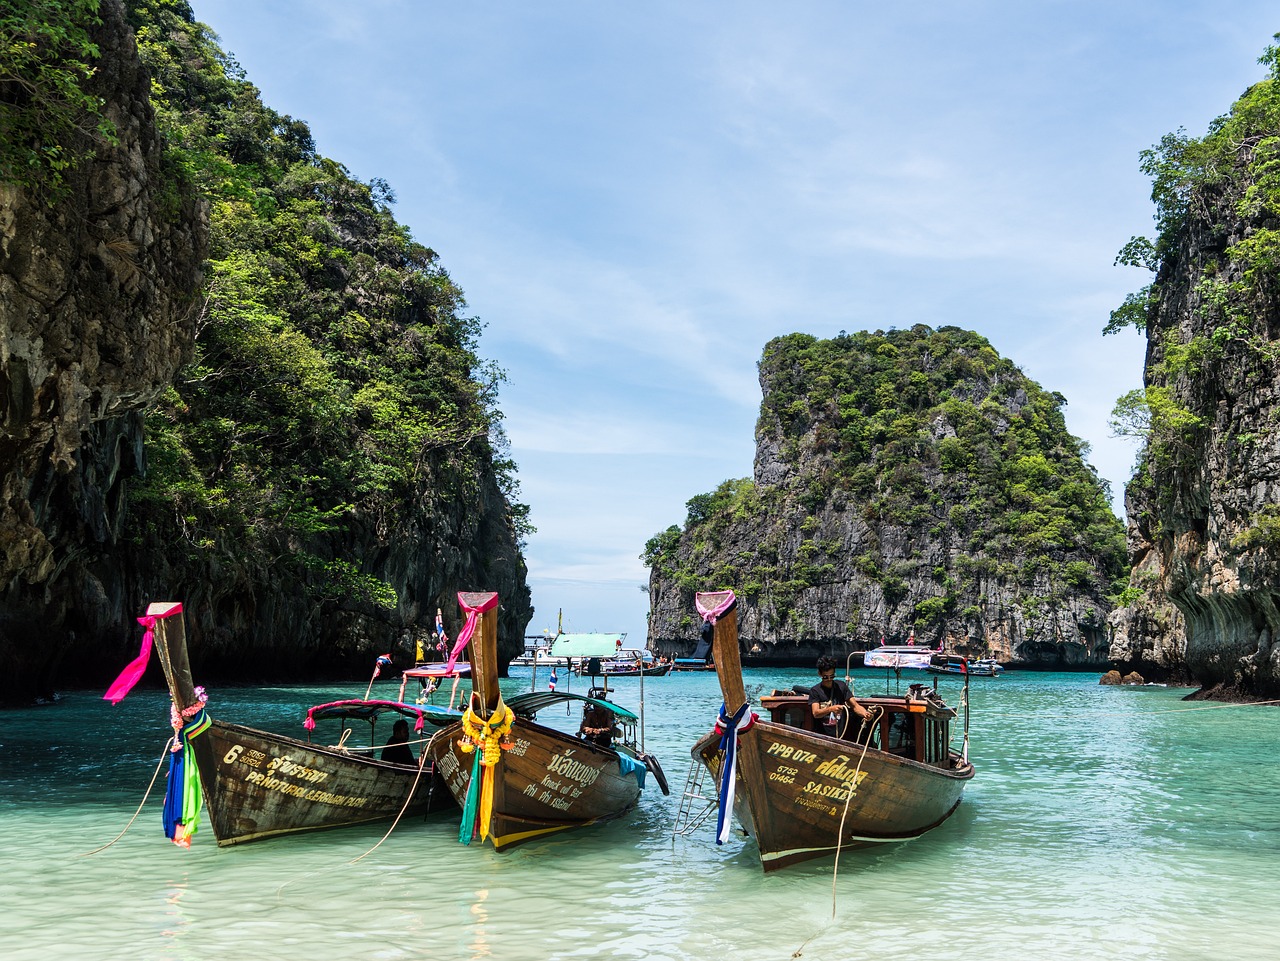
[[492, 737]]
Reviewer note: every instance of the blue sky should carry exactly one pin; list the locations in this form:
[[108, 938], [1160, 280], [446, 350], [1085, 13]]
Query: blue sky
[[637, 197]]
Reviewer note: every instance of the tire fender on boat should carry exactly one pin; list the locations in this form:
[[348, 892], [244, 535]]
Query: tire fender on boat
[[652, 764]]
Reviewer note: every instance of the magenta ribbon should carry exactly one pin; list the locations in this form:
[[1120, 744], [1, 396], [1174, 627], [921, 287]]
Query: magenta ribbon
[[469, 628], [133, 672]]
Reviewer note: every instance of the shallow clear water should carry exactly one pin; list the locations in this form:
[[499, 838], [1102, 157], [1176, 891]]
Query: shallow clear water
[[1103, 823]]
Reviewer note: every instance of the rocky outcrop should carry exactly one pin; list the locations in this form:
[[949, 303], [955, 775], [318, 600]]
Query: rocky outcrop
[[1148, 633], [1204, 523], [97, 311], [1114, 678], [906, 484]]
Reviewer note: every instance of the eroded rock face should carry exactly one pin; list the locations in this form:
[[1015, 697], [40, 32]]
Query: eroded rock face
[[1203, 509], [1149, 634], [97, 310]]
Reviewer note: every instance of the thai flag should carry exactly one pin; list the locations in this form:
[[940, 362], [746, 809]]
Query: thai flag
[[551, 681], [384, 660]]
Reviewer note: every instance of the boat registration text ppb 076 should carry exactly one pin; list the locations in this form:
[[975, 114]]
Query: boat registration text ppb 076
[[778, 749]]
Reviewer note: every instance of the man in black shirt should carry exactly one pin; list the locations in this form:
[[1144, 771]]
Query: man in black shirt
[[829, 699], [398, 750]]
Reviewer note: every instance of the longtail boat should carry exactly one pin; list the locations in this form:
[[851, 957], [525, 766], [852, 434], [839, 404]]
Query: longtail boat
[[257, 784], [804, 794], [517, 779], [958, 664]]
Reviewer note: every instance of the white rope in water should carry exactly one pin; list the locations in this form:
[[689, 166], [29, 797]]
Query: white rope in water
[[146, 794], [853, 789], [852, 785], [422, 763]]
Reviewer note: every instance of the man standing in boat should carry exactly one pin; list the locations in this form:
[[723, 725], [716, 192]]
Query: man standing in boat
[[829, 698]]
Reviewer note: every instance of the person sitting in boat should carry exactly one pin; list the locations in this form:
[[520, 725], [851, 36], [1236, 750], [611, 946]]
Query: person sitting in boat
[[829, 700], [598, 725], [398, 750]]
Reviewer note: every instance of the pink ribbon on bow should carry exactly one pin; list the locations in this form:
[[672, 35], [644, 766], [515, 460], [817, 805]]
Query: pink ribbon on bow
[[708, 608], [133, 672], [469, 628]]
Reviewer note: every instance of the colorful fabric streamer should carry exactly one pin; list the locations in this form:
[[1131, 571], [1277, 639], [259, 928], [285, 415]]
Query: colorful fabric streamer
[[182, 796], [712, 614], [729, 727], [134, 670]]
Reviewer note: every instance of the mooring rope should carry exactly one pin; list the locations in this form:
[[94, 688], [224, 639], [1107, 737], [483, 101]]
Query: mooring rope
[[853, 787], [422, 763], [412, 791], [865, 735], [164, 755]]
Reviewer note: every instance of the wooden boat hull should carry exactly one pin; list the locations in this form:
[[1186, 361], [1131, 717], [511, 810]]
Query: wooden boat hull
[[258, 785], [804, 793], [547, 781], [799, 816]]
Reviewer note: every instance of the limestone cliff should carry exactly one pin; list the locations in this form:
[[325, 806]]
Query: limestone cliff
[[263, 402], [1204, 521], [97, 297], [908, 482]]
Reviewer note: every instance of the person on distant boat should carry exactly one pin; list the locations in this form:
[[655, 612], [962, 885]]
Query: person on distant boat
[[829, 699], [398, 750]]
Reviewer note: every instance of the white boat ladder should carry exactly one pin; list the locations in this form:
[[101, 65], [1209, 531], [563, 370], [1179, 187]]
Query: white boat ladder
[[695, 805]]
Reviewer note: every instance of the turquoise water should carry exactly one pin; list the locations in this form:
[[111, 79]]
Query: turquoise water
[[1103, 823]]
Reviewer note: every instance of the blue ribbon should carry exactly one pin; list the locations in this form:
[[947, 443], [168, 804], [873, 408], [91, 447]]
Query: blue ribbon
[[728, 726], [182, 795]]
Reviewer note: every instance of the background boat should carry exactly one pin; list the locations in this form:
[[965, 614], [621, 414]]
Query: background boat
[[958, 664]]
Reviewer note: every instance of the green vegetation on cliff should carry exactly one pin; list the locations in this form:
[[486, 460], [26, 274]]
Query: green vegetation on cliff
[[1217, 202], [50, 119], [335, 379], [944, 465]]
